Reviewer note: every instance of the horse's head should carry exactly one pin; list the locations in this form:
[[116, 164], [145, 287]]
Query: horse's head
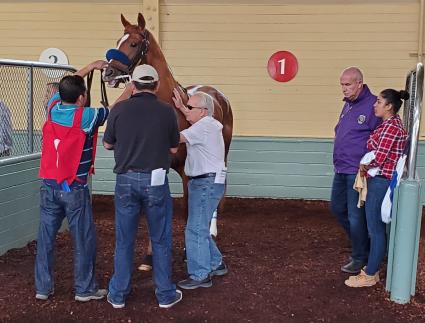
[[132, 48]]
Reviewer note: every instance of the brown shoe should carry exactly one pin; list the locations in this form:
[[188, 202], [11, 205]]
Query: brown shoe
[[376, 274], [361, 280]]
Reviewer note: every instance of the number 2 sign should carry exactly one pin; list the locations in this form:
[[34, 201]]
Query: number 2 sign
[[282, 66]]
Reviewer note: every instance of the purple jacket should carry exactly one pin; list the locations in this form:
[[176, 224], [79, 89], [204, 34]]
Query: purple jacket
[[356, 122]]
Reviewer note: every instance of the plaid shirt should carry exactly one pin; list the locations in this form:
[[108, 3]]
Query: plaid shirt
[[389, 140]]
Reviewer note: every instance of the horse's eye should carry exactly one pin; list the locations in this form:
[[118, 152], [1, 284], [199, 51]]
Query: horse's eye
[[133, 45]]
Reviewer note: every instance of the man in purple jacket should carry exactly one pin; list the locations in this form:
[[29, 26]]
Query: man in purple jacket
[[356, 122]]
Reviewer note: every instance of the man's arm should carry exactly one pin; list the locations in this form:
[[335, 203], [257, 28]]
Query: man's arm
[[96, 65], [111, 147], [125, 95], [178, 102], [182, 138], [109, 134]]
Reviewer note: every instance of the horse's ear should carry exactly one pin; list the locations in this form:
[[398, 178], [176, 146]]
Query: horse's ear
[[141, 21], [124, 21]]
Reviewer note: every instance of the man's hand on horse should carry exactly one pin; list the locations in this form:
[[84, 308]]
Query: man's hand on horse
[[178, 102], [96, 65], [99, 65]]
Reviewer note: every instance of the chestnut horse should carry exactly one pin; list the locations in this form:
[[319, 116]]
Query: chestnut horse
[[138, 46]]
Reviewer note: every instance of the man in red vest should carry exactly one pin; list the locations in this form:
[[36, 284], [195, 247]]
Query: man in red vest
[[67, 159]]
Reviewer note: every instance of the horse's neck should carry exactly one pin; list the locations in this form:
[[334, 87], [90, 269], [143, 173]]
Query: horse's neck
[[167, 82]]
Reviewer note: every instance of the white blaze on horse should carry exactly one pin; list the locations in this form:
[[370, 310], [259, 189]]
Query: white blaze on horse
[[138, 46]]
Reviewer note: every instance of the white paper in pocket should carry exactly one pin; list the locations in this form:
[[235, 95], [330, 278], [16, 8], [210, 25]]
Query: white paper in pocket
[[220, 176], [158, 177]]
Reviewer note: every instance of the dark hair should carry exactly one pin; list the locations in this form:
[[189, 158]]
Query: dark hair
[[71, 87], [394, 98], [145, 86]]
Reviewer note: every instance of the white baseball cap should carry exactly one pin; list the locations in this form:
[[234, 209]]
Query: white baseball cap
[[145, 74]]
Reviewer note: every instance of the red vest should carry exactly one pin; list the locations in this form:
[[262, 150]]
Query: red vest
[[62, 148]]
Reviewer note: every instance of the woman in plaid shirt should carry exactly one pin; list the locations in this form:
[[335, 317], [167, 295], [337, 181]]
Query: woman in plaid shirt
[[388, 142]]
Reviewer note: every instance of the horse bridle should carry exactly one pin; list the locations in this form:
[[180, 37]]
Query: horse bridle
[[116, 54], [141, 54], [104, 97], [144, 48]]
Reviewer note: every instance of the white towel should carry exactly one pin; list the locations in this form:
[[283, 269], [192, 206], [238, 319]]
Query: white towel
[[366, 160]]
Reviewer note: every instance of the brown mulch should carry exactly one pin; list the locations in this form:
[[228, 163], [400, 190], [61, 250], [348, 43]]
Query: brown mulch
[[284, 258]]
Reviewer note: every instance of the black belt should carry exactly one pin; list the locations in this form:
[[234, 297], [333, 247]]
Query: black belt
[[202, 176], [139, 171]]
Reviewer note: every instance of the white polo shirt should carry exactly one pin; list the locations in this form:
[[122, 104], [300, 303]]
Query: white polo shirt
[[205, 147]]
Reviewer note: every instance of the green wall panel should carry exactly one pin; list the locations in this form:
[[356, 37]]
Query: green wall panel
[[19, 202], [258, 167]]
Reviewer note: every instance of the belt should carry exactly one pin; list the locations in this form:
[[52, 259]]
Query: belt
[[139, 171], [202, 176], [75, 185]]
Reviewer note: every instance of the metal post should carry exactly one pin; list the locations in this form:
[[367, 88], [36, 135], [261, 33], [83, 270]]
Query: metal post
[[416, 120], [407, 209], [30, 114], [406, 241]]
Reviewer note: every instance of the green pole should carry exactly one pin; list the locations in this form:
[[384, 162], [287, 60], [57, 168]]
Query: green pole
[[406, 239]]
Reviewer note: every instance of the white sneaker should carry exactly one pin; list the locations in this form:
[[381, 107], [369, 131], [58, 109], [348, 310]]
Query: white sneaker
[[115, 305], [43, 297], [99, 294]]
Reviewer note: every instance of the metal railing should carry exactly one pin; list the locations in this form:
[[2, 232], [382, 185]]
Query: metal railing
[[25, 88], [412, 115]]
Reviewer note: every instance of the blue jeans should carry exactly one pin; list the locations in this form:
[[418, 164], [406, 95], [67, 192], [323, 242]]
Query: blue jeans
[[75, 205], [203, 255], [353, 219], [376, 189], [133, 193]]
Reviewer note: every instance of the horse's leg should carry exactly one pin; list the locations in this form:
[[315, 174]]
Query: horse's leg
[[185, 191]]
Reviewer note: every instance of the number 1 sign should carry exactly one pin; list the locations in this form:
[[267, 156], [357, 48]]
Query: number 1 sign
[[282, 66]]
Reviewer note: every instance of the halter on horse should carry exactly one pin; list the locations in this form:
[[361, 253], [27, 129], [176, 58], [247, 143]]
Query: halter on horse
[[138, 46]]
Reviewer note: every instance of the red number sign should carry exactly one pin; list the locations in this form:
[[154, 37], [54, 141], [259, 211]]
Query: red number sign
[[282, 66]]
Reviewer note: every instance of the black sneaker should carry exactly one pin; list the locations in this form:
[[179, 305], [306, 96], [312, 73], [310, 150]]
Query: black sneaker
[[146, 263], [193, 284], [220, 270], [353, 267], [179, 297]]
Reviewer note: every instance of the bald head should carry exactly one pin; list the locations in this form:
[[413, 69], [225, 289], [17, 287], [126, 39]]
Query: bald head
[[353, 72], [351, 81]]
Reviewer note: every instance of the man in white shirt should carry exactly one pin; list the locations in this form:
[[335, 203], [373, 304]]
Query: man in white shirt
[[205, 168]]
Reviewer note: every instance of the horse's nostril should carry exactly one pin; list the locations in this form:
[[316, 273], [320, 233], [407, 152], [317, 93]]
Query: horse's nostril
[[109, 72]]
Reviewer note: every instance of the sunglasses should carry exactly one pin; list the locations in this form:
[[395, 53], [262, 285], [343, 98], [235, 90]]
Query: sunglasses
[[191, 107]]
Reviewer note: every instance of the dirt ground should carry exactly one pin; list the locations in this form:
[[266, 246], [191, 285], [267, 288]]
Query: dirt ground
[[283, 255]]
